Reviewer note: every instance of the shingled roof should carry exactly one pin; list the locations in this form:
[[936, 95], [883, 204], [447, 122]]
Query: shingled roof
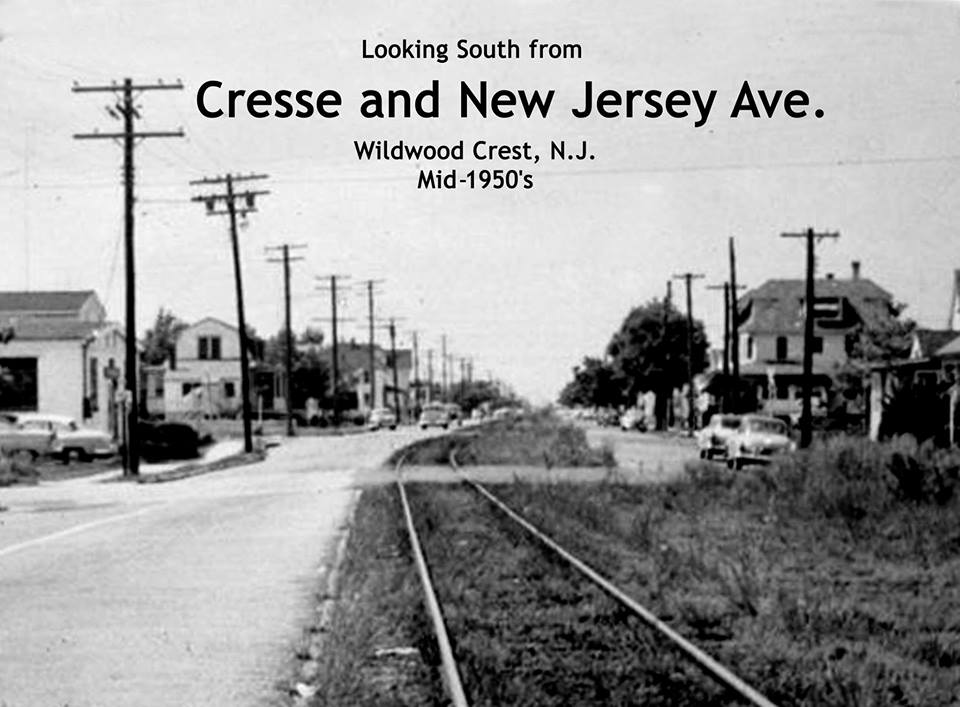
[[46, 302], [928, 341], [49, 328], [774, 307]]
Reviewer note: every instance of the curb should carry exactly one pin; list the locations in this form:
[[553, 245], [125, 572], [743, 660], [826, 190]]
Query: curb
[[191, 469]]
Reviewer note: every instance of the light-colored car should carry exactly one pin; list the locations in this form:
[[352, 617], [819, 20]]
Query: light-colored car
[[69, 438], [757, 440], [19, 441], [633, 419], [712, 440], [380, 418], [434, 415]]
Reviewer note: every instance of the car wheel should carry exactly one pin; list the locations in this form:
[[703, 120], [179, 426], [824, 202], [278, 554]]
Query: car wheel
[[393, 427], [704, 454], [446, 426], [423, 427]]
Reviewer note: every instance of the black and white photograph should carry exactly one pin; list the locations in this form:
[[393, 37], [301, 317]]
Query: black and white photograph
[[510, 353]]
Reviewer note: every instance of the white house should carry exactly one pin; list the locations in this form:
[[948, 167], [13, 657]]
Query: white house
[[64, 356], [204, 377]]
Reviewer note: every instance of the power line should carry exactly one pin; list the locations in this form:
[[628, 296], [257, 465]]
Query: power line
[[288, 353], [229, 198], [124, 109]]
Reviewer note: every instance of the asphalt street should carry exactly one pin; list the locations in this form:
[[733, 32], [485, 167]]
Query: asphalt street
[[188, 593]]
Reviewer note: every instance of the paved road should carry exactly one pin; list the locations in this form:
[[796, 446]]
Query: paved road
[[190, 593]]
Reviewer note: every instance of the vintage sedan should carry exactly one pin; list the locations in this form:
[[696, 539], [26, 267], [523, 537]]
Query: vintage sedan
[[380, 418], [712, 440], [757, 440], [17, 440], [68, 437]]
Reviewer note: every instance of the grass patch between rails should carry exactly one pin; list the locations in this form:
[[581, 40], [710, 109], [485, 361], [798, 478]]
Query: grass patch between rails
[[538, 439]]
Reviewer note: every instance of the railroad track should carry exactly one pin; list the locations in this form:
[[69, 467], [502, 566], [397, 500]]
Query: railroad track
[[450, 670]]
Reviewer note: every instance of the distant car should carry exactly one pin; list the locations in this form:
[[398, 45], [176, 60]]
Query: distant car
[[633, 419], [455, 412], [16, 440], [69, 437], [434, 415], [712, 440], [757, 440], [380, 418]]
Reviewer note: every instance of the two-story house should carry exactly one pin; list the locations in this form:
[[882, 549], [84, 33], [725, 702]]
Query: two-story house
[[204, 377], [64, 357], [771, 324]]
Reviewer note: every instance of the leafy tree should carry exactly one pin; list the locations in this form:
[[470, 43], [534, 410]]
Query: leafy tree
[[160, 342], [649, 352], [310, 377], [595, 384]]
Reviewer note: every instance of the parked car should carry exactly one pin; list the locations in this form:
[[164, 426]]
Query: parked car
[[68, 437], [18, 440], [434, 415], [160, 441], [712, 440], [380, 418], [455, 413], [633, 419], [758, 439]]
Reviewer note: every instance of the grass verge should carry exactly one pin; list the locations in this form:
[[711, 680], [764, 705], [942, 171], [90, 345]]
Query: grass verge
[[377, 649]]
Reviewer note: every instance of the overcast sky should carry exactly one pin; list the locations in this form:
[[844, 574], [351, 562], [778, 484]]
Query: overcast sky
[[526, 282]]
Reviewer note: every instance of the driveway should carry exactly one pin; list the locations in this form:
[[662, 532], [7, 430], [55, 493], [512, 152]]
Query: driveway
[[189, 593]]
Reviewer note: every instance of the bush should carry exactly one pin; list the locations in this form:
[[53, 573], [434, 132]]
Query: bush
[[17, 472], [843, 477]]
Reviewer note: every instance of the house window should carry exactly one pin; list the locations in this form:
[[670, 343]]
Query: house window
[[208, 348], [750, 351], [818, 345], [187, 387], [782, 347], [229, 389], [18, 384]]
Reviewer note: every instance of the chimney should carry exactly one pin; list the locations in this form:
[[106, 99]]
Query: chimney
[[855, 270]]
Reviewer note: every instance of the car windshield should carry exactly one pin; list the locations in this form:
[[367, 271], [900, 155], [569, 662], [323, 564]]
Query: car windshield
[[769, 426], [729, 422]]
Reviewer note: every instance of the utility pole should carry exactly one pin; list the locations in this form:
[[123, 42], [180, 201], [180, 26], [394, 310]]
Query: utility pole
[[393, 359], [334, 350], [443, 368], [725, 401], [734, 331], [373, 358], [688, 278], [288, 353], [429, 375], [229, 198], [126, 110], [463, 379], [806, 414], [416, 373]]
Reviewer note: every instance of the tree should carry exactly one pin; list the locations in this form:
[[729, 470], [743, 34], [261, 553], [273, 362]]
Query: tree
[[595, 384], [649, 352], [160, 342], [310, 377]]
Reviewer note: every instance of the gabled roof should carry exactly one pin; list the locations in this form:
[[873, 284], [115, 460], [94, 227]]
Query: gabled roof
[[49, 328], [215, 320], [926, 342], [950, 349], [52, 301], [776, 307]]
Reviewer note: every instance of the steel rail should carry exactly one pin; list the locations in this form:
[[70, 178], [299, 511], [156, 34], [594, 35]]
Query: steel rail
[[705, 662], [451, 675]]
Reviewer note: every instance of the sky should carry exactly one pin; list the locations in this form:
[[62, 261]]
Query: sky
[[525, 282]]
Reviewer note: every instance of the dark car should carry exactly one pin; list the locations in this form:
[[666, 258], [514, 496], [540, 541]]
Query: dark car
[[160, 441]]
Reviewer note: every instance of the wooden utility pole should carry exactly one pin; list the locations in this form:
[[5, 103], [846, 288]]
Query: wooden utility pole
[[443, 368], [288, 331], [393, 359], [429, 375], [126, 110], [806, 414], [726, 402], [334, 348], [229, 198], [688, 278], [734, 332], [373, 356], [416, 373]]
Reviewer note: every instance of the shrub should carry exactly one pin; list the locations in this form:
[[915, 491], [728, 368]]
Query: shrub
[[14, 471]]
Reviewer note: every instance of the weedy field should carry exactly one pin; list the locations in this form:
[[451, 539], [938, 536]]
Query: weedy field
[[829, 578]]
